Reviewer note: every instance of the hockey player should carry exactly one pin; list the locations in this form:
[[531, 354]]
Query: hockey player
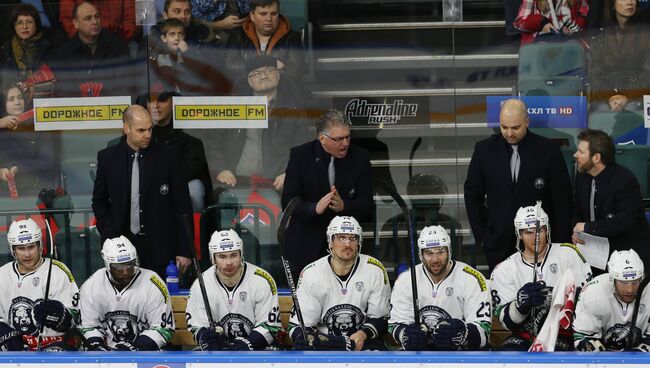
[[125, 307], [455, 307], [23, 311], [344, 297], [243, 299], [521, 304], [604, 311]]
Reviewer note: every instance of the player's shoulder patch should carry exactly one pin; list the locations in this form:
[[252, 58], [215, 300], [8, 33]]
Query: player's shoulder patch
[[574, 247], [265, 275], [161, 286], [376, 262], [63, 268], [477, 275]]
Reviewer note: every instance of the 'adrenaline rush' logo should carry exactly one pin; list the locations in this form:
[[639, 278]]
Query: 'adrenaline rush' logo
[[381, 113]]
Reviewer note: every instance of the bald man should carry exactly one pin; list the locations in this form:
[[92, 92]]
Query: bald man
[[515, 169], [140, 192]]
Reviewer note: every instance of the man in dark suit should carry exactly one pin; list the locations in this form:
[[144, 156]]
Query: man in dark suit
[[159, 194], [332, 178], [617, 204], [515, 169]]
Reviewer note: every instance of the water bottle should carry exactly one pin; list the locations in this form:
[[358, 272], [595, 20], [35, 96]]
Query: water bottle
[[172, 277]]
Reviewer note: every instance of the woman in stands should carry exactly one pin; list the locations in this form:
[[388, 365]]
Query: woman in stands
[[619, 63]]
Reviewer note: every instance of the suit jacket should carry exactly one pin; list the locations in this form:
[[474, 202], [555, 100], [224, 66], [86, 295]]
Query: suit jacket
[[164, 200], [306, 177], [542, 176], [618, 209]]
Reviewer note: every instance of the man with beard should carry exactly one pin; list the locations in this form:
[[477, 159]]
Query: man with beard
[[522, 304], [604, 310], [608, 200], [344, 296], [455, 308]]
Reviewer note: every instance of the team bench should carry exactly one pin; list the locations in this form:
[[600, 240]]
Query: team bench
[[183, 338]]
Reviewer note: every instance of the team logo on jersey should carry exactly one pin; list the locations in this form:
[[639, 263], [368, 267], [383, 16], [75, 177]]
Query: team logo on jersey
[[553, 267], [641, 308], [236, 325], [616, 336], [539, 183], [35, 281], [431, 315], [123, 325], [243, 296], [449, 291], [20, 315], [343, 319], [359, 285], [164, 189]]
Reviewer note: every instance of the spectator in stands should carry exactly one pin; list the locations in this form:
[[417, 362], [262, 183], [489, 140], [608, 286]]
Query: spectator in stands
[[12, 106], [262, 152], [197, 32], [536, 18], [118, 16], [29, 46], [265, 31], [172, 35], [619, 69], [224, 15], [331, 177], [195, 165], [607, 198], [94, 54], [514, 169], [47, 10]]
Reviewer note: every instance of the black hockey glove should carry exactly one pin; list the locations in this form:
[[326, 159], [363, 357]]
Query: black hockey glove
[[96, 344], [10, 339], [52, 314], [413, 338], [124, 346], [449, 334], [210, 340], [531, 295], [302, 343], [590, 345], [331, 342], [239, 344]]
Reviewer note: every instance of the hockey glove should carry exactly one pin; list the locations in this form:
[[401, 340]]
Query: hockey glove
[[531, 295], [124, 346], [10, 339], [145, 343], [590, 345], [413, 338], [210, 340], [52, 314], [302, 343], [450, 334], [239, 344], [331, 342], [96, 344]]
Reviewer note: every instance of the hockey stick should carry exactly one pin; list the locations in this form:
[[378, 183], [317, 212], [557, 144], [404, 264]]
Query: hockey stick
[[409, 223], [634, 334], [538, 208], [199, 275], [413, 149], [49, 277], [282, 228]]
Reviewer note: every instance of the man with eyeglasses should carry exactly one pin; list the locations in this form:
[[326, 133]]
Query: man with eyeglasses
[[454, 300], [344, 297], [331, 177]]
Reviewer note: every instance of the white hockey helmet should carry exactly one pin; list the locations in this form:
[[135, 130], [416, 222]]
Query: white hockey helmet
[[119, 251], [344, 225], [23, 232], [526, 218], [225, 241], [625, 265], [433, 237]]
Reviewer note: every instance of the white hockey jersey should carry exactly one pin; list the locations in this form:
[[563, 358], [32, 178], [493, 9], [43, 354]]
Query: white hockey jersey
[[21, 292], [601, 315], [342, 307], [251, 305], [142, 307], [510, 275], [464, 294]]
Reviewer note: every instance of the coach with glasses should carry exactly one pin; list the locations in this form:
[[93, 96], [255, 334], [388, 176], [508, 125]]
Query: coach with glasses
[[332, 177]]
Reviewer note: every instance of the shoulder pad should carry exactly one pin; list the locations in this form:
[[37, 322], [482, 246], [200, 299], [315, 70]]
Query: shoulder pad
[[375, 262], [63, 268], [477, 275], [574, 247], [159, 284], [265, 275]]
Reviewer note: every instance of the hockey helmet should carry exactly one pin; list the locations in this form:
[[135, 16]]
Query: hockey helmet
[[625, 265], [428, 184], [434, 237], [344, 225], [23, 232], [225, 241], [119, 251], [526, 218]]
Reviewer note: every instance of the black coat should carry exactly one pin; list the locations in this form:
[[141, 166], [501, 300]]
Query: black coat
[[307, 178], [618, 209], [543, 176], [164, 200]]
